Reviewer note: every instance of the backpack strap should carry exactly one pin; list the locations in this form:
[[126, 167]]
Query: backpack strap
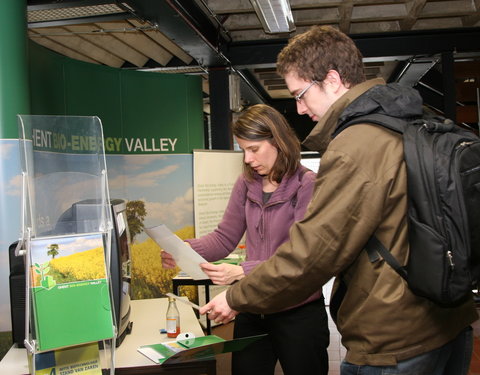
[[374, 248], [432, 124]]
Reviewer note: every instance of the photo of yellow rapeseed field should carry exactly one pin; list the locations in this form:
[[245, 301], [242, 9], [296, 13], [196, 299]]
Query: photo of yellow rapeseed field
[[67, 259], [151, 279]]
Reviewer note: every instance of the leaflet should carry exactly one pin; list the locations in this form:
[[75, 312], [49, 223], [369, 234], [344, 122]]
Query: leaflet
[[194, 349], [186, 301], [185, 257], [78, 360]]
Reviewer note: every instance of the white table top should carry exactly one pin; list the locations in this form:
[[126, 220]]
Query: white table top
[[148, 317]]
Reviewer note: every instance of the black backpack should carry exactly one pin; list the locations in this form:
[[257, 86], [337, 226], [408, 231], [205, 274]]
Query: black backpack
[[443, 183]]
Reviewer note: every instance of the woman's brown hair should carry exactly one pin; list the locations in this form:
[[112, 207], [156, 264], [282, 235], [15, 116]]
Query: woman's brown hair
[[262, 122]]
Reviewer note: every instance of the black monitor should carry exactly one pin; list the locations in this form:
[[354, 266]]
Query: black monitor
[[82, 217], [17, 295]]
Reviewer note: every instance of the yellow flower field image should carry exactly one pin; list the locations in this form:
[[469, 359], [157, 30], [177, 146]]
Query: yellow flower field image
[[65, 260], [87, 265], [150, 279]]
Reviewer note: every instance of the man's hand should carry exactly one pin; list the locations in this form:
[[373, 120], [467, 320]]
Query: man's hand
[[167, 260], [224, 273], [218, 309]]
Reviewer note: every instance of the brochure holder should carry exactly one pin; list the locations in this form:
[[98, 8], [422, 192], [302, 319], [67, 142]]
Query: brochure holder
[[64, 168]]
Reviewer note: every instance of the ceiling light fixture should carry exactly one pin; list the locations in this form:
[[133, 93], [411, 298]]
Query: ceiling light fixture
[[275, 15]]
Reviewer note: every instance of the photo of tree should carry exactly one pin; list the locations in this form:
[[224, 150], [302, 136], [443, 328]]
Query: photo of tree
[[158, 189]]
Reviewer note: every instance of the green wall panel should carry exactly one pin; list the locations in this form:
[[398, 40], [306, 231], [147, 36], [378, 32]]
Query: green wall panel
[[47, 81], [158, 119], [13, 66], [93, 90], [141, 112], [195, 114]]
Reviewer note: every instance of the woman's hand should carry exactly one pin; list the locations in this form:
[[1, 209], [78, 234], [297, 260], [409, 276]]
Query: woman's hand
[[167, 260], [224, 273]]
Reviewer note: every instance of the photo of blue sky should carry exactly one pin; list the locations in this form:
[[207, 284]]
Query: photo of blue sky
[[163, 182], [10, 203]]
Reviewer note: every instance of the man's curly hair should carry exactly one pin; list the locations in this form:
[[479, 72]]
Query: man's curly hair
[[322, 48]]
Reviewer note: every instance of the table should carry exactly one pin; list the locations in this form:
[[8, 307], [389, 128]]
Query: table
[[148, 317]]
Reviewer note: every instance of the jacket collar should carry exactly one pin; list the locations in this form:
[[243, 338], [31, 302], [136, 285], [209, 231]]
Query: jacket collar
[[321, 134]]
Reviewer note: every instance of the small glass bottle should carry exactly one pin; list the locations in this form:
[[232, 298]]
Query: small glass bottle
[[173, 319]]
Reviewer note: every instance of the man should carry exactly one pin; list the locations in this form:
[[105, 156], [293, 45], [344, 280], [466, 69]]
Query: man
[[360, 190]]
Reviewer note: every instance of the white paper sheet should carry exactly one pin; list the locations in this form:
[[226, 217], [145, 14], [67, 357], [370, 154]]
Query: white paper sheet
[[185, 257]]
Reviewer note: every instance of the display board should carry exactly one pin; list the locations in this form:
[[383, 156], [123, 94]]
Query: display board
[[214, 174]]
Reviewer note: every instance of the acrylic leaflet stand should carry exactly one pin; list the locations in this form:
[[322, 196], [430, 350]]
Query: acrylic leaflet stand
[[65, 201]]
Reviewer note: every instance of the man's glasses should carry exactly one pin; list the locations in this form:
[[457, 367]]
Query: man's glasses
[[298, 97]]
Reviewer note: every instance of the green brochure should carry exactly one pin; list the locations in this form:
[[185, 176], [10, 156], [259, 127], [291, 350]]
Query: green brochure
[[193, 349], [70, 293]]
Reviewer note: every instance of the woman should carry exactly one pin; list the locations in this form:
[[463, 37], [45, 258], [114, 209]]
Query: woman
[[272, 193]]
